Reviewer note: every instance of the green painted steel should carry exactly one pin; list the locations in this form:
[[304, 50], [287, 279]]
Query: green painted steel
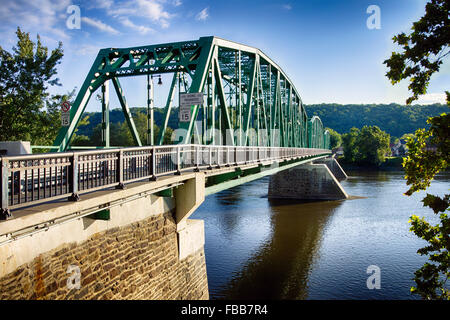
[[101, 215], [326, 140], [249, 99], [316, 134]]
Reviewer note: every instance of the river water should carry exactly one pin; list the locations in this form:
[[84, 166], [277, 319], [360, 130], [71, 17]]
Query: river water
[[261, 249]]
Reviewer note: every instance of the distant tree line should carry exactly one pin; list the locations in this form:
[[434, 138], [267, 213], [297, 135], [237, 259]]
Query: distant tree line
[[117, 118], [395, 119], [120, 134]]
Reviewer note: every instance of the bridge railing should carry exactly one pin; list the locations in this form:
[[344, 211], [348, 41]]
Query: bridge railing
[[31, 179]]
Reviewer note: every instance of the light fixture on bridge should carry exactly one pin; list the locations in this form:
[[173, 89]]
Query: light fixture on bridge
[[159, 80]]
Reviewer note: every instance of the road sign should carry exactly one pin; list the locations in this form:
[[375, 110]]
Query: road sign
[[189, 99], [65, 106], [184, 114], [65, 119], [65, 113], [186, 101]]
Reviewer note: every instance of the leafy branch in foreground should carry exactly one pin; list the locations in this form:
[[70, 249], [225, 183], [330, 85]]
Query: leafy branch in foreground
[[429, 154], [423, 51]]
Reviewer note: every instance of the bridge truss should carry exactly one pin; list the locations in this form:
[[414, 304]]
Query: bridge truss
[[249, 100]]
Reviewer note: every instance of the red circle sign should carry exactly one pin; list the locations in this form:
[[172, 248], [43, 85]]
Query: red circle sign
[[65, 106]]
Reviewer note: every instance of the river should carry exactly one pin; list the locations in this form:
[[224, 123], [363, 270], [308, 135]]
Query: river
[[261, 249]]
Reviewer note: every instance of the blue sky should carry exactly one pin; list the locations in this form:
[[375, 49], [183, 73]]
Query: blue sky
[[324, 46]]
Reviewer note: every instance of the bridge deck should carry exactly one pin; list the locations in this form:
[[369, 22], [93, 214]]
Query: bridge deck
[[33, 179]]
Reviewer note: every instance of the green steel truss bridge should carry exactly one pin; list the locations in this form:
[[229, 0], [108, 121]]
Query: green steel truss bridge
[[251, 123], [249, 99]]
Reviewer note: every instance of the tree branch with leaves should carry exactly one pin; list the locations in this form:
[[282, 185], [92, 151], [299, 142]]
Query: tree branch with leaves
[[423, 52]]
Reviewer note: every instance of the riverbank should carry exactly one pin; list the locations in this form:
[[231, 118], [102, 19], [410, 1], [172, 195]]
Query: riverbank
[[391, 164]]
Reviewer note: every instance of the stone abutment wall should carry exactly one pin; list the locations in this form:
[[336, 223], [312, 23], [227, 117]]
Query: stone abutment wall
[[135, 254]]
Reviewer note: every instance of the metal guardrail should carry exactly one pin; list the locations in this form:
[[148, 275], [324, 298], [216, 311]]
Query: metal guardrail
[[36, 178]]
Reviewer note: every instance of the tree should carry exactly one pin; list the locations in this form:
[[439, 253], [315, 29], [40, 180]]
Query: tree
[[421, 165], [349, 145], [335, 138], [140, 121], [367, 146], [168, 136], [25, 75], [372, 146], [406, 136], [423, 51], [77, 139]]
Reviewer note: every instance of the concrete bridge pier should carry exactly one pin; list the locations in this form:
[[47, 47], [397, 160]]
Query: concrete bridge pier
[[334, 167], [309, 182]]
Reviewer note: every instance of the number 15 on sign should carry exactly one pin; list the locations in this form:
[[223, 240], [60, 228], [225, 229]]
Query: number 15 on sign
[[185, 114], [65, 119]]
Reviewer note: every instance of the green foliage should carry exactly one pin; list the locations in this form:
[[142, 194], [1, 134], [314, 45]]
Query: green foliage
[[335, 138], [25, 75], [120, 134], [408, 135], [429, 153], [349, 145], [423, 161], [116, 116], [431, 278], [81, 140], [77, 139], [423, 51], [393, 118], [367, 146], [372, 145]]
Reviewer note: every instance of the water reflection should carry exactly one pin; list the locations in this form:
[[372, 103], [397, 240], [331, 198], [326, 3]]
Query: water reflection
[[229, 199], [279, 269], [261, 249]]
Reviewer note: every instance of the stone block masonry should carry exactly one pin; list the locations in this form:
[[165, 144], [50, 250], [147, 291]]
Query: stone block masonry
[[334, 167], [137, 261], [306, 182], [142, 250]]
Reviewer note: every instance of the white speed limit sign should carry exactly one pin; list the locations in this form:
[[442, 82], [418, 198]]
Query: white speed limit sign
[[65, 114]]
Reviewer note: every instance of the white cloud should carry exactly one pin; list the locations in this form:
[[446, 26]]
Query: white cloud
[[43, 16], [202, 15], [99, 25], [87, 49], [126, 12], [149, 9], [101, 4], [287, 6], [431, 98], [141, 29]]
